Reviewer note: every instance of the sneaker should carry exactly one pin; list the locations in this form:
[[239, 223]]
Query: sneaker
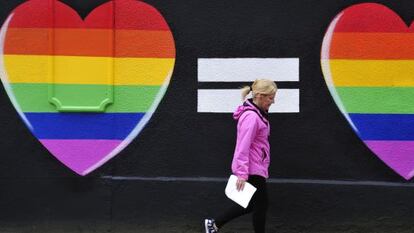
[[210, 226]]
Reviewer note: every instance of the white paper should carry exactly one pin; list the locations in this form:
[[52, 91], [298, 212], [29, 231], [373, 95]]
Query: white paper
[[240, 197]]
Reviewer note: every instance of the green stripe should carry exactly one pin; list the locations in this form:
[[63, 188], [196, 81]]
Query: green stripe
[[34, 97], [398, 100]]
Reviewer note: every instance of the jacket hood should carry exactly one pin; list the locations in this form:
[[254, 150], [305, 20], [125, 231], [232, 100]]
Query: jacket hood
[[248, 105]]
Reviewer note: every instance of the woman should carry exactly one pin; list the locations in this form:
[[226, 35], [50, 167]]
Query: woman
[[252, 155]]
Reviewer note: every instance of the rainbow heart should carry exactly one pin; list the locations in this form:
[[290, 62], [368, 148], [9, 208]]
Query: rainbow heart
[[86, 88], [368, 62]]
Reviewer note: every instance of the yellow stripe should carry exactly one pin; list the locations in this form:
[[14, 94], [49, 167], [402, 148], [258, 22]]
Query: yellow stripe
[[87, 70], [379, 73]]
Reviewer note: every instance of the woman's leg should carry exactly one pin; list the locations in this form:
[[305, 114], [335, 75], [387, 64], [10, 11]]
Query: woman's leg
[[260, 207], [236, 210], [231, 213]]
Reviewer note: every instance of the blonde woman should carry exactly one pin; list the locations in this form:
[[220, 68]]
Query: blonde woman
[[251, 156]]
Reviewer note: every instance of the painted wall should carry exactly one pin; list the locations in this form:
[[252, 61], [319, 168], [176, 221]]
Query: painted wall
[[341, 130], [86, 87]]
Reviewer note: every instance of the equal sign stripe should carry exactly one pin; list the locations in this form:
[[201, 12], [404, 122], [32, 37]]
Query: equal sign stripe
[[245, 70]]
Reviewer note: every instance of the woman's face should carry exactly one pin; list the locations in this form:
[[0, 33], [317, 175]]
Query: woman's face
[[264, 101]]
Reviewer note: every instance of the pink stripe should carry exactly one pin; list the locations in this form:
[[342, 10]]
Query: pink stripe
[[399, 155], [80, 155]]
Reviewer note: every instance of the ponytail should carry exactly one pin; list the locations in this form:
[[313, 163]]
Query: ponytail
[[244, 92]]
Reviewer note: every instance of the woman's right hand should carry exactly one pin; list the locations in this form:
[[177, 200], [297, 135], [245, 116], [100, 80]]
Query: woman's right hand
[[240, 184]]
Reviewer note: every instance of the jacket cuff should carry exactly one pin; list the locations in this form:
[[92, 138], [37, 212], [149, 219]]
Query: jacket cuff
[[245, 177]]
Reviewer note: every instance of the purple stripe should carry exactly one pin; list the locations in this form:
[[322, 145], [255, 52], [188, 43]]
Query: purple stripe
[[80, 155], [399, 155]]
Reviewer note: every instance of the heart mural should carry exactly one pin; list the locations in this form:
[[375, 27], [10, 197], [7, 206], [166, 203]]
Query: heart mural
[[86, 88], [368, 63]]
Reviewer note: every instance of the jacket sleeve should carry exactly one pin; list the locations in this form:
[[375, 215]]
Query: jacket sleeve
[[246, 131]]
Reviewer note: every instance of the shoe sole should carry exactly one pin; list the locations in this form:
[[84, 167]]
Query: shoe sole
[[206, 225]]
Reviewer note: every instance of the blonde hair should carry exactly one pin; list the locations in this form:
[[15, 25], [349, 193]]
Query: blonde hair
[[259, 86]]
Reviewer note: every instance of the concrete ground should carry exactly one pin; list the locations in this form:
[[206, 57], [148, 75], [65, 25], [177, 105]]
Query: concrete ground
[[234, 227]]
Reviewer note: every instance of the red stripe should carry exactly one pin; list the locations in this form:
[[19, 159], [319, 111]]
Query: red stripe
[[121, 14], [132, 14], [371, 17]]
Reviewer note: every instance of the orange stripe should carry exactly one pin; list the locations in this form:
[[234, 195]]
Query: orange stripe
[[90, 42], [382, 46]]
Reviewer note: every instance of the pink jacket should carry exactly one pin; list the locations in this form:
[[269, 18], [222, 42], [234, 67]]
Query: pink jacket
[[252, 153]]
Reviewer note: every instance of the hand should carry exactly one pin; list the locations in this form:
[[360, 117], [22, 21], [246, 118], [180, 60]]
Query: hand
[[240, 184]]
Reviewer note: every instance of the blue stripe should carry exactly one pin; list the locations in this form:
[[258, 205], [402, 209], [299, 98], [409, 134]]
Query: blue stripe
[[83, 125], [384, 126]]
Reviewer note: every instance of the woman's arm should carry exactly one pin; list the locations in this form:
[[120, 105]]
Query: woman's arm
[[246, 131]]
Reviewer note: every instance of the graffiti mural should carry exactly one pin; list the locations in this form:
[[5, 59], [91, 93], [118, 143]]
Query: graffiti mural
[[116, 115], [367, 63], [86, 88]]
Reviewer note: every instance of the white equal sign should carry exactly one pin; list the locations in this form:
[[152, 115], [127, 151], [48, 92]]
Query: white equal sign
[[224, 70]]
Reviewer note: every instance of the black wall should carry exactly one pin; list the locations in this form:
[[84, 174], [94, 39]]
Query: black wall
[[39, 194]]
